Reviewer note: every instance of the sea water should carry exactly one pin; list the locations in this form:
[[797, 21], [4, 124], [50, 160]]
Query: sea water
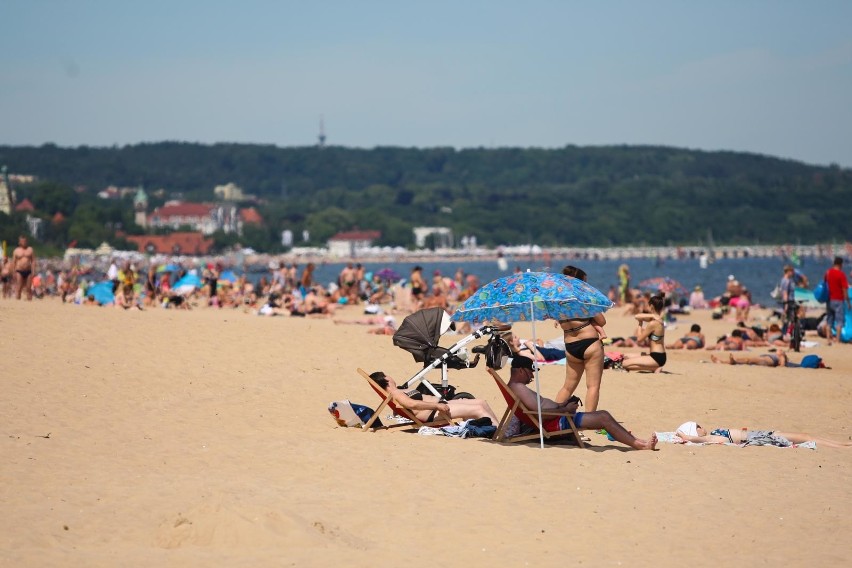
[[759, 275]]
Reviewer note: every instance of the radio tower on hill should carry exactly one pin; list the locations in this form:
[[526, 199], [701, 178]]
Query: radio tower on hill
[[321, 136]]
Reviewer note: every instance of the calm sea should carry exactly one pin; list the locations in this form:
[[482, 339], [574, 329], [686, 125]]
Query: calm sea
[[760, 275]]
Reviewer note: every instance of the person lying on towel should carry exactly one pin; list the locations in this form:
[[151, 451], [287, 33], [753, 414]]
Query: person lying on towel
[[694, 432]]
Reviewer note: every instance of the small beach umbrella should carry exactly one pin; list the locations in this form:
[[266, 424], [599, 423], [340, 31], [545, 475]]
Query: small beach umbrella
[[102, 292], [389, 275], [229, 276], [187, 284], [167, 268], [664, 284], [533, 296]]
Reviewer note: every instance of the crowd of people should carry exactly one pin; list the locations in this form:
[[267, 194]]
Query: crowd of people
[[287, 290]]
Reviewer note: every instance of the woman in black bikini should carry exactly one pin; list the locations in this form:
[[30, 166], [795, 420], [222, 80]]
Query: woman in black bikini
[[583, 352], [650, 328]]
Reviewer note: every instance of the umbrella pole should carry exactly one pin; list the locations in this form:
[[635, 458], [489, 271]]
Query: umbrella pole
[[537, 385]]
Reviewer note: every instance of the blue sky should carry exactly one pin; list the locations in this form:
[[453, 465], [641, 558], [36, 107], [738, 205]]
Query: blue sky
[[770, 77]]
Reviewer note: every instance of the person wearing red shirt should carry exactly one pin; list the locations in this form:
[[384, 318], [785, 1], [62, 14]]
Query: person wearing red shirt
[[838, 297]]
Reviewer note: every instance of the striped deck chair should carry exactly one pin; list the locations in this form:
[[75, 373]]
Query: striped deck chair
[[529, 417]]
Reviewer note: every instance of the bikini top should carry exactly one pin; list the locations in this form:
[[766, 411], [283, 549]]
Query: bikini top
[[726, 432]]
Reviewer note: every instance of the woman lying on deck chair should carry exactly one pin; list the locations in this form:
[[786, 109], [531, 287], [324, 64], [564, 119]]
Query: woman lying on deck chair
[[427, 407]]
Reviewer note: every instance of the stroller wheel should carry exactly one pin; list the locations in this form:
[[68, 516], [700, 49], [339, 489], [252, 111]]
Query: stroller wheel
[[463, 395]]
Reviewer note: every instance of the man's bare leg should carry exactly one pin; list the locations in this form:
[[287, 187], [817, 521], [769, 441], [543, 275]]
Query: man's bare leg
[[603, 419]]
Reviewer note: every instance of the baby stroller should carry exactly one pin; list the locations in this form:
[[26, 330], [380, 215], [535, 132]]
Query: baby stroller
[[419, 333]]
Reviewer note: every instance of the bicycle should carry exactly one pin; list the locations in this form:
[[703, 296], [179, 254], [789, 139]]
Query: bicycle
[[792, 325]]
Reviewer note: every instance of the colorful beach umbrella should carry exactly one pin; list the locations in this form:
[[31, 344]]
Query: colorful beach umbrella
[[664, 284], [388, 275], [533, 296]]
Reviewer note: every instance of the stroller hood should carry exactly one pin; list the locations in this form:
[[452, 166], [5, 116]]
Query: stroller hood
[[419, 332]]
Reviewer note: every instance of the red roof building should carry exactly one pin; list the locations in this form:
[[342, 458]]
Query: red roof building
[[205, 217], [25, 205], [251, 216], [190, 244]]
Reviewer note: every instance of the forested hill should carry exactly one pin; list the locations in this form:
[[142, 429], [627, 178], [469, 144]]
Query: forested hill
[[568, 196]]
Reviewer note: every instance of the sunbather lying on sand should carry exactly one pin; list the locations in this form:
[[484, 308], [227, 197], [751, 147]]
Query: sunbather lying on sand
[[692, 340], [777, 359], [693, 432], [386, 325], [734, 342]]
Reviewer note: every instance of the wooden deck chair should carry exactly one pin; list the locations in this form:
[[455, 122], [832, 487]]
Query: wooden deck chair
[[529, 417], [387, 402]]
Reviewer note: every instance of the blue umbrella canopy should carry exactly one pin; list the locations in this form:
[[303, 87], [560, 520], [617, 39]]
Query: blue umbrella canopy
[[168, 268], [229, 276], [102, 292], [532, 296]]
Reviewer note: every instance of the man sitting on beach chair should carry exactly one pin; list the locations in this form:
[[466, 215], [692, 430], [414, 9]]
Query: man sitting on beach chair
[[522, 374]]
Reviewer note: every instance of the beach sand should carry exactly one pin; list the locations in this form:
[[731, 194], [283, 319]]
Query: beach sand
[[203, 438]]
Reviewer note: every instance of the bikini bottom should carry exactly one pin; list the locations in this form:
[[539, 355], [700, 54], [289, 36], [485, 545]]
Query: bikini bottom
[[659, 358], [577, 349]]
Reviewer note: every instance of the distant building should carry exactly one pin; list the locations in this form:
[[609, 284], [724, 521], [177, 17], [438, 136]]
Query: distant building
[[183, 243], [7, 196], [250, 216], [230, 192], [114, 192], [140, 208], [443, 236], [204, 217], [25, 205], [347, 244]]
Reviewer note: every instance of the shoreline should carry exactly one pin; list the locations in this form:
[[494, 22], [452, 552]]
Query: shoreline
[[319, 255]]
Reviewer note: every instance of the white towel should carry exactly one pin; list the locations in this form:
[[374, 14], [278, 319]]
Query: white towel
[[688, 428]]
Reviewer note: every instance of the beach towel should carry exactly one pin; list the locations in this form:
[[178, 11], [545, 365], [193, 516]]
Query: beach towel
[[468, 429], [673, 438]]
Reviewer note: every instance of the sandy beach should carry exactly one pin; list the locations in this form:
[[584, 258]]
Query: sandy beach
[[202, 438]]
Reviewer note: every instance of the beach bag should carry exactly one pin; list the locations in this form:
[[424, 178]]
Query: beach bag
[[349, 414], [846, 330], [812, 362], [821, 292], [613, 360], [497, 353]]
